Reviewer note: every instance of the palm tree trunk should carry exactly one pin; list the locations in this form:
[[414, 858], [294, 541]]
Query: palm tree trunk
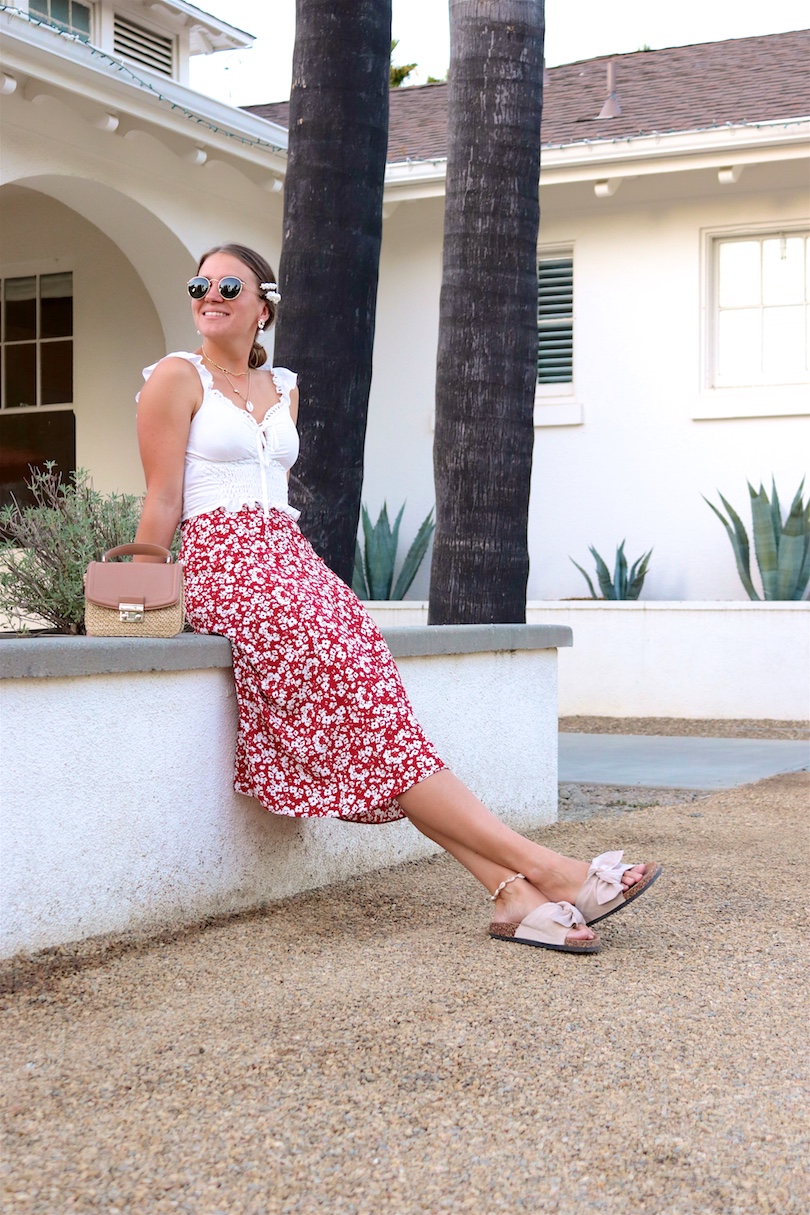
[[330, 254], [487, 357]]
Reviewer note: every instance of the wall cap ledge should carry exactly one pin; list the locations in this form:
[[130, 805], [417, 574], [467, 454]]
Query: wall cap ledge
[[61, 657]]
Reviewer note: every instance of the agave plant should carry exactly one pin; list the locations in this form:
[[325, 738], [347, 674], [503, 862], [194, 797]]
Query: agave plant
[[624, 584], [782, 549], [374, 564]]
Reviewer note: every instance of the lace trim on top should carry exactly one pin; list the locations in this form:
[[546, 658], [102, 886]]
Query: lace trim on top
[[233, 460]]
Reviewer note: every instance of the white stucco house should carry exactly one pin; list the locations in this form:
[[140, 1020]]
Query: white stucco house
[[673, 255]]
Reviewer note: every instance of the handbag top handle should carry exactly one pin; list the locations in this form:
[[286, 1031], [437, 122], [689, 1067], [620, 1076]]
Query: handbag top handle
[[139, 550]]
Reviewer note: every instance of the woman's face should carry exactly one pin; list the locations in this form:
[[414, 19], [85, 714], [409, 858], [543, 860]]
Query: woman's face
[[216, 317]]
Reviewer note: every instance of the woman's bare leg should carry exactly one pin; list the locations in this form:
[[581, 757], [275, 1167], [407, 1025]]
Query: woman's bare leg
[[443, 805], [516, 900]]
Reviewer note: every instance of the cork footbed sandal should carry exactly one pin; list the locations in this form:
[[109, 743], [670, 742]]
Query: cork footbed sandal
[[603, 893], [546, 928]]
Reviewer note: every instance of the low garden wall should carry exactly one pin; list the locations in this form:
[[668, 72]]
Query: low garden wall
[[118, 811], [654, 658]]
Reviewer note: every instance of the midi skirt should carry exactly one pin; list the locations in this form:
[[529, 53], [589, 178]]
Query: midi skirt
[[325, 726]]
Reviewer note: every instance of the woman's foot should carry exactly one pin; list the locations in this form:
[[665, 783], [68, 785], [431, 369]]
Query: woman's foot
[[520, 897], [611, 885], [565, 876]]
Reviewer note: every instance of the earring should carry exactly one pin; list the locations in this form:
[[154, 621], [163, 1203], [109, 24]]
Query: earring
[[261, 324]]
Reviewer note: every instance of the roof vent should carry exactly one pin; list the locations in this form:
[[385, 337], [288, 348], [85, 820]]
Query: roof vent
[[151, 50], [611, 108]]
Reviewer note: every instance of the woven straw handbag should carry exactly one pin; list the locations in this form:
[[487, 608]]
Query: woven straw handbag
[[134, 599]]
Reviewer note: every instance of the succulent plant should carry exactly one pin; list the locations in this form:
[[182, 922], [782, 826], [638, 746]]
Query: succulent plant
[[624, 584], [782, 549], [374, 564]]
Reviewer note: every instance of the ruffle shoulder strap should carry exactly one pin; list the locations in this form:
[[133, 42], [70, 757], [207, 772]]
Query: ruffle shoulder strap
[[190, 357], [284, 380]]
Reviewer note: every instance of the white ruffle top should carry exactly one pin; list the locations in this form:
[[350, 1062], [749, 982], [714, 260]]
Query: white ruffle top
[[231, 459]]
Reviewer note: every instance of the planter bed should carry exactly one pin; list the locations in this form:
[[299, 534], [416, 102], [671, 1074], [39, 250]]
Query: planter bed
[[654, 658]]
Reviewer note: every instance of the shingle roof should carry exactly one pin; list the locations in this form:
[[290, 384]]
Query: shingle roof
[[680, 88]]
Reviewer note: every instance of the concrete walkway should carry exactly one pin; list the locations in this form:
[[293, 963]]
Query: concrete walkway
[[367, 1050], [676, 762]]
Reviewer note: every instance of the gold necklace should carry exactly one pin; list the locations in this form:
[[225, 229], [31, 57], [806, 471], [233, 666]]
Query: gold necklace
[[231, 385]]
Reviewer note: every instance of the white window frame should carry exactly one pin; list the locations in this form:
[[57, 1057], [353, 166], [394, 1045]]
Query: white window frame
[[557, 404], [91, 4], [30, 270], [742, 401]]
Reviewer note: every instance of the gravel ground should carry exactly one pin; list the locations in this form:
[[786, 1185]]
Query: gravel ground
[[692, 727], [366, 1049], [578, 802]]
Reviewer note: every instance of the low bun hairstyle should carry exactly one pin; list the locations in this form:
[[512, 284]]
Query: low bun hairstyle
[[264, 274]]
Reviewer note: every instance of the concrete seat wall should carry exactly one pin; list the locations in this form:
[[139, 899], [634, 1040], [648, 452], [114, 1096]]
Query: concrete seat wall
[[118, 811]]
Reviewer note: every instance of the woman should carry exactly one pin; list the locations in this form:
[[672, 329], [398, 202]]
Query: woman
[[325, 727]]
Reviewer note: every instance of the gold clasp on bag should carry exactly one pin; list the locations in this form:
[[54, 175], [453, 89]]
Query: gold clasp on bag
[[130, 613]]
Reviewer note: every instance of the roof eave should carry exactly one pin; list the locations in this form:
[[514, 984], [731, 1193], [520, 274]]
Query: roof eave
[[221, 34], [630, 156], [87, 77]]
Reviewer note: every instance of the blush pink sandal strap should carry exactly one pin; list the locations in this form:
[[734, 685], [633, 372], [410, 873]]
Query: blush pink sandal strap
[[602, 892], [546, 928]]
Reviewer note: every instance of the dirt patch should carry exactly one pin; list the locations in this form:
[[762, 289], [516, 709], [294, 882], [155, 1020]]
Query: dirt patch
[[580, 802], [686, 727]]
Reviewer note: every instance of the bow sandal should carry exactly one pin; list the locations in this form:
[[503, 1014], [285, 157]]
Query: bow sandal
[[602, 892], [546, 927]]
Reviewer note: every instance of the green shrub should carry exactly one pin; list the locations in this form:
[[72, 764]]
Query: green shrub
[[46, 548], [623, 585], [374, 564], [782, 549]]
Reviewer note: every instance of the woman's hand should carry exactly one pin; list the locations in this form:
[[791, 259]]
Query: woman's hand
[[168, 402]]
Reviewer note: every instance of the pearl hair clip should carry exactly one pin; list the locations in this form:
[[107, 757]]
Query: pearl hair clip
[[270, 292]]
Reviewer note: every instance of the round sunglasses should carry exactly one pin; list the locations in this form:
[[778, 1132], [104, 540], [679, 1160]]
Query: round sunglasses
[[229, 287]]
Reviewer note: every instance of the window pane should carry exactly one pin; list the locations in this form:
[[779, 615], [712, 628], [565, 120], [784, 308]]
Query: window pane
[[60, 11], [783, 353], [783, 270], [739, 355], [56, 370], [38, 8], [21, 309], [56, 305], [21, 376], [739, 273], [80, 17]]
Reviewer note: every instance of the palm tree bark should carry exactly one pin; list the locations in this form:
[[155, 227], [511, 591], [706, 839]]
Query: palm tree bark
[[487, 358], [330, 255]]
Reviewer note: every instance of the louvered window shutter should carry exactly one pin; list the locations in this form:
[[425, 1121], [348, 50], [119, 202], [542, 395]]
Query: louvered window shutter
[[151, 50], [555, 320]]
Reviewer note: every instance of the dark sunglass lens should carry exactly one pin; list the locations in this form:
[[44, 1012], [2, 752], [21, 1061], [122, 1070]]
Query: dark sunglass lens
[[229, 287], [198, 287]]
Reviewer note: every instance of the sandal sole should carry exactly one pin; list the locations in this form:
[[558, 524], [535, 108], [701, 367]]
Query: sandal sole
[[587, 946]]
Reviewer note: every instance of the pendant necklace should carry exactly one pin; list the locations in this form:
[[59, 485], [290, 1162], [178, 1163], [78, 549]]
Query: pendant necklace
[[242, 397]]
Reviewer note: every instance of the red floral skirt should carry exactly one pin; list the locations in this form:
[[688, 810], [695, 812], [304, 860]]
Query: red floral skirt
[[325, 726]]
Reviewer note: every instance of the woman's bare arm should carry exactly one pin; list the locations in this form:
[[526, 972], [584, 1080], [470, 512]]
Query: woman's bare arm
[[167, 404]]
